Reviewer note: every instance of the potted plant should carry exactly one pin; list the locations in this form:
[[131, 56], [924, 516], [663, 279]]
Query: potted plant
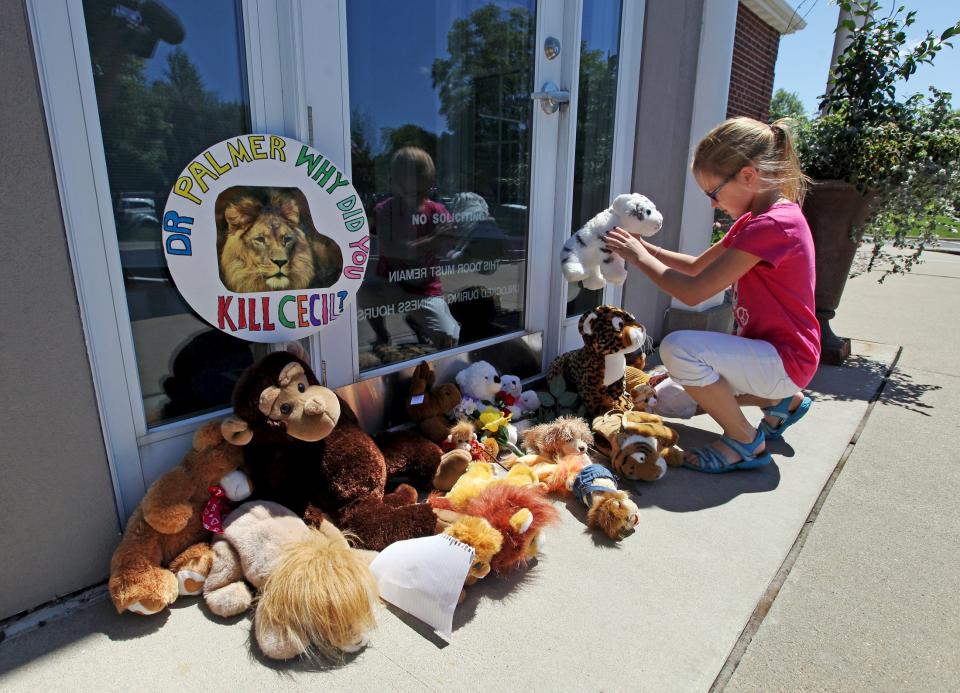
[[880, 165]]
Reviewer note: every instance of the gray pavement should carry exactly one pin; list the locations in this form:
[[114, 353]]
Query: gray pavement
[[868, 601], [871, 603]]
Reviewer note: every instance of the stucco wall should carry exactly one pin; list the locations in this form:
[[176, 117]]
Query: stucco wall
[[671, 40], [57, 510]]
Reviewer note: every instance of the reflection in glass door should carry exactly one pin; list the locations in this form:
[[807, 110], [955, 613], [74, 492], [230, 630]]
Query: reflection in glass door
[[441, 141], [596, 110], [170, 80]]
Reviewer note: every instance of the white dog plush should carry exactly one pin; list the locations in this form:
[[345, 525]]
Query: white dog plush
[[586, 259]]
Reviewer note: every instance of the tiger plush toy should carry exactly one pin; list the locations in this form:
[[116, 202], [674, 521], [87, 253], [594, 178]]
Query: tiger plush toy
[[597, 369]]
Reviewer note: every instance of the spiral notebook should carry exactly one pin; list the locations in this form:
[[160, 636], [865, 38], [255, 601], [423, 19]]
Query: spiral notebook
[[424, 578]]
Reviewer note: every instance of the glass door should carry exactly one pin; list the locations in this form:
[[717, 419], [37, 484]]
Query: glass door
[[457, 167], [133, 90], [170, 80], [607, 87]]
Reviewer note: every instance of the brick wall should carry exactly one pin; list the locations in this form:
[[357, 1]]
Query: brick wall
[[754, 59]]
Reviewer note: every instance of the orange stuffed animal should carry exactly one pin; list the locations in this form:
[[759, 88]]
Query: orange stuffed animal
[[164, 551]]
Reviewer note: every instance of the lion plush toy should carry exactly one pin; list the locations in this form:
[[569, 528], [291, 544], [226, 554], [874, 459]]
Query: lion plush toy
[[557, 451], [478, 477], [305, 450], [164, 551], [463, 438], [639, 445], [597, 369], [316, 592], [485, 541], [610, 509], [520, 514]]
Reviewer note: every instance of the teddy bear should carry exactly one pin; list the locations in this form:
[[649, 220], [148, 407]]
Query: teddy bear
[[316, 593], [557, 451], [164, 551], [305, 450], [512, 397], [585, 257], [655, 392], [639, 445], [429, 404], [479, 384], [609, 508]]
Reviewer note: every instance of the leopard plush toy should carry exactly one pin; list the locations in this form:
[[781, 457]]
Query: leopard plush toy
[[597, 369]]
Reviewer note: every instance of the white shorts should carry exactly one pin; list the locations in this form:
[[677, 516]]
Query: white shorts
[[750, 366]]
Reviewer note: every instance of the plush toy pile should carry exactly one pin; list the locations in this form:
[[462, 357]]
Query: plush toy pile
[[297, 553], [302, 552]]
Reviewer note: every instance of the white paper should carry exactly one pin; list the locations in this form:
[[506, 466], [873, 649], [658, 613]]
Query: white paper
[[424, 578]]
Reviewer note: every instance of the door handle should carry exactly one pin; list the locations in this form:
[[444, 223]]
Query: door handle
[[551, 98]]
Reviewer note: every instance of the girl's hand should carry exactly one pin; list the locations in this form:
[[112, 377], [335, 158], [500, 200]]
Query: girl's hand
[[626, 245]]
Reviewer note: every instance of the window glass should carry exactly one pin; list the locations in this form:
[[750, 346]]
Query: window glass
[[597, 101], [440, 123], [170, 81]]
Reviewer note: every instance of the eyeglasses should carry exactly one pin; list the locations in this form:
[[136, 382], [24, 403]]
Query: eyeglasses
[[712, 194]]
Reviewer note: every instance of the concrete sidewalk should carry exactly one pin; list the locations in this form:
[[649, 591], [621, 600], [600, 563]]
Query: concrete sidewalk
[[868, 601]]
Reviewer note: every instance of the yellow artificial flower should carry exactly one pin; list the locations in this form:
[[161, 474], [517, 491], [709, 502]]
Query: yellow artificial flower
[[493, 419]]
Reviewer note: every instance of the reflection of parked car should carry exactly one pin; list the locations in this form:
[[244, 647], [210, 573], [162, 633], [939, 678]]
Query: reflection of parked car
[[136, 216]]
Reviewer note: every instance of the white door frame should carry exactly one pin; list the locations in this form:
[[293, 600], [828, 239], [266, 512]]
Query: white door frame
[[66, 82], [624, 145]]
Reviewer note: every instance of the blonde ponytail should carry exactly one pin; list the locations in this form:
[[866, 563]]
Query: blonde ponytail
[[739, 142]]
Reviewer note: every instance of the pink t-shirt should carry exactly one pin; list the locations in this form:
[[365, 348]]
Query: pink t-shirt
[[774, 301], [400, 231]]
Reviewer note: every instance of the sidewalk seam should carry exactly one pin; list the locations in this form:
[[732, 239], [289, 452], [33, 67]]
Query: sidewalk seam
[[773, 588]]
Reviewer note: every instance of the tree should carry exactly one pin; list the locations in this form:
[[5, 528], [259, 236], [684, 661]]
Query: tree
[[786, 104], [484, 88]]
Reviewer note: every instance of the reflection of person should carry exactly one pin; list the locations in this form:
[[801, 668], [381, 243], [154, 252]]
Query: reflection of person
[[405, 225], [750, 171], [475, 234]]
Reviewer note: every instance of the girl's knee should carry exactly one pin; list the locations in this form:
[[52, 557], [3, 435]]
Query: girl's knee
[[675, 348]]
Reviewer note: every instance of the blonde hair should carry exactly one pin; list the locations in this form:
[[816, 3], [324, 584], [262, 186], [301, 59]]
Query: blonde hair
[[412, 172], [739, 142]]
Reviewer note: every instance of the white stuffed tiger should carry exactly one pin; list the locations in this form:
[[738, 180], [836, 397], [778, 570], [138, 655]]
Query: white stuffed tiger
[[585, 257]]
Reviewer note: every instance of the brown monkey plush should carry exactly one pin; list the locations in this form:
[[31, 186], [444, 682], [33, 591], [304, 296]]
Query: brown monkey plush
[[305, 450]]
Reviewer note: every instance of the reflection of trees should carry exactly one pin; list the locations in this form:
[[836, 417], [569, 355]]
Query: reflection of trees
[[484, 88], [596, 106], [595, 119], [152, 130]]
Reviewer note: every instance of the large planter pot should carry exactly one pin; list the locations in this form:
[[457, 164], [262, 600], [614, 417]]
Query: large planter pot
[[833, 208]]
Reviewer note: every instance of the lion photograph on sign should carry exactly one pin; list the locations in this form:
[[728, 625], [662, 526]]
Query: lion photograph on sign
[[266, 241]]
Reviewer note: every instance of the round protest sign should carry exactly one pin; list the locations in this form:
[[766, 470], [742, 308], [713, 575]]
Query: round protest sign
[[265, 238]]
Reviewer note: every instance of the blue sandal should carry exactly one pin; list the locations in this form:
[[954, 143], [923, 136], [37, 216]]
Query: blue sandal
[[781, 410], [712, 461]]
